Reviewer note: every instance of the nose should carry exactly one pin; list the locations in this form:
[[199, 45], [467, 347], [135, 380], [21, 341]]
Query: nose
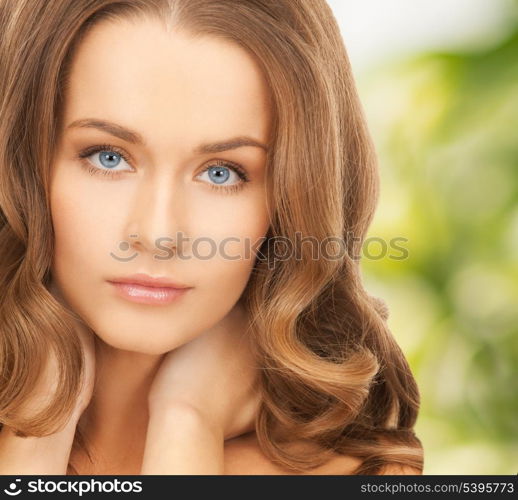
[[154, 218]]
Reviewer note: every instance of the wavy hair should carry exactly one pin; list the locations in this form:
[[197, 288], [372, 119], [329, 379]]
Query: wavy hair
[[333, 376]]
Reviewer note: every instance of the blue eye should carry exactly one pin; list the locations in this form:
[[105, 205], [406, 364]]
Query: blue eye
[[108, 159], [219, 174]]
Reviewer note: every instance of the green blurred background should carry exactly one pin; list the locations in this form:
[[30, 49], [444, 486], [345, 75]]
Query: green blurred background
[[445, 124]]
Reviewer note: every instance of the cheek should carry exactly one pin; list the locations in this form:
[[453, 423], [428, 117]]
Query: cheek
[[79, 243], [70, 219], [232, 220], [226, 237]]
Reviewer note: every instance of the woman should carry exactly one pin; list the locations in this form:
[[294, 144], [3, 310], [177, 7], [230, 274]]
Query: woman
[[157, 158]]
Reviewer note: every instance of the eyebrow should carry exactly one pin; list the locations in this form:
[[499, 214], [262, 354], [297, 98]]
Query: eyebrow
[[134, 137]]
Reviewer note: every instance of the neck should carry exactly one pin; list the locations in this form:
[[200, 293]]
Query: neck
[[115, 422]]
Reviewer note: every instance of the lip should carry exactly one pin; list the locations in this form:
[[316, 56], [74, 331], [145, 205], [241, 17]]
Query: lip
[[144, 289], [149, 281]]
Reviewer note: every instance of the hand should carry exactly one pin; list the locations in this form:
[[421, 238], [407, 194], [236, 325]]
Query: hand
[[215, 374]]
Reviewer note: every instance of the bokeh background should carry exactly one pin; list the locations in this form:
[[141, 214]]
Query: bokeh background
[[439, 85]]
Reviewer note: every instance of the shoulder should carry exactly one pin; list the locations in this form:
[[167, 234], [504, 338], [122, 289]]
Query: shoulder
[[243, 456], [400, 470]]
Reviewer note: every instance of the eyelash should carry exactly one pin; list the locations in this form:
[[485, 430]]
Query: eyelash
[[84, 154]]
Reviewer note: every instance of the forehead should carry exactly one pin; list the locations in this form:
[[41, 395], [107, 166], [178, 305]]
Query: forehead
[[167, 84]]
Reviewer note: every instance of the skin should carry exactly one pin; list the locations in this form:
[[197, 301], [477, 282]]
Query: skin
[[177, 93]]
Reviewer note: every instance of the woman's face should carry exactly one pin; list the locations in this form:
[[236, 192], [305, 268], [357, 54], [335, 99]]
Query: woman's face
[[154, 125]]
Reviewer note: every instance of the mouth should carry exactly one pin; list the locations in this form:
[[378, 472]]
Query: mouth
[[148, 294]]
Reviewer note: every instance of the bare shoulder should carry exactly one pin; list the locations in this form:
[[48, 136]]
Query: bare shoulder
[[243, 456], [400, 470]]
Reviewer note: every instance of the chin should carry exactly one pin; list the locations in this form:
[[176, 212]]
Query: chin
[[143, 341]]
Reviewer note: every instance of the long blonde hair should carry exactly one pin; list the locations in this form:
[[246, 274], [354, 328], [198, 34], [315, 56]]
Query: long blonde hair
[[332, 375]]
